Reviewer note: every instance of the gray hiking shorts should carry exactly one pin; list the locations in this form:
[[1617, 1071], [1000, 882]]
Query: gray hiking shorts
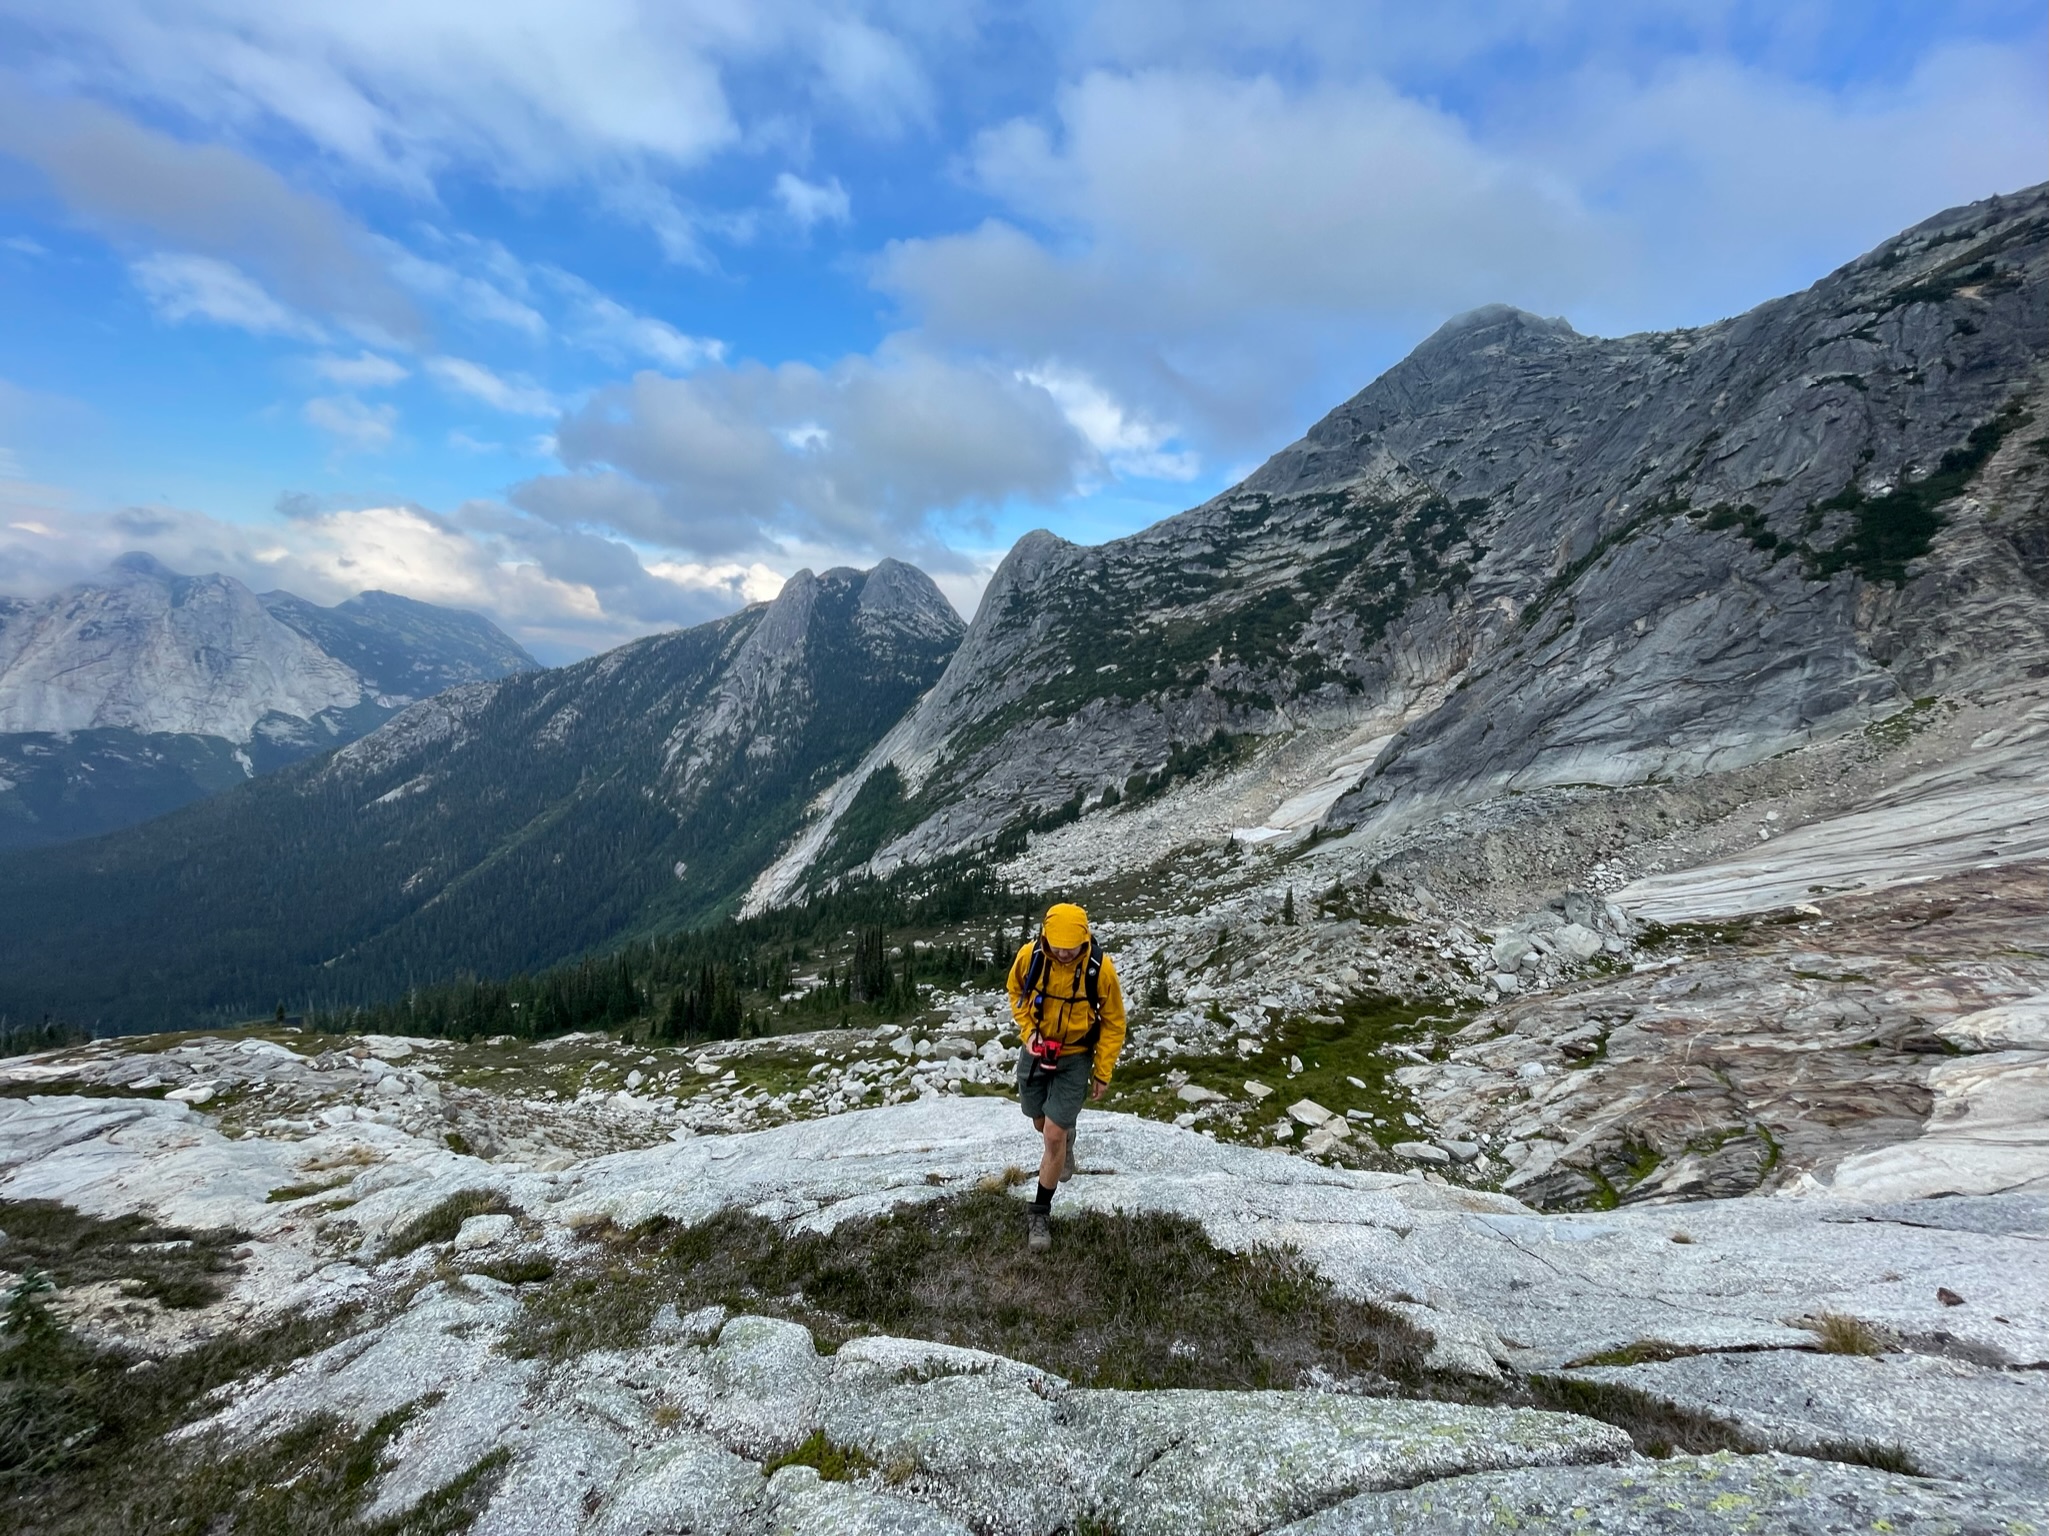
[[1059, 1094]]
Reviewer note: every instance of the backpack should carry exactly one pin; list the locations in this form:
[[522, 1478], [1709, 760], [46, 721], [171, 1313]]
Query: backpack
[[1040, 969]]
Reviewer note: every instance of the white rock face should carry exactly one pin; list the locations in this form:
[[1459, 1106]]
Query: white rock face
[[673, 1434], [148, 650]]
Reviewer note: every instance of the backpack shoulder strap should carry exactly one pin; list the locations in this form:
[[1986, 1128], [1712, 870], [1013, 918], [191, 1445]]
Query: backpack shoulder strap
[[1035, 976], [1092, 980]]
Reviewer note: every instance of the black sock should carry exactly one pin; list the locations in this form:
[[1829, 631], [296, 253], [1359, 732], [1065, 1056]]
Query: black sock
[[1045, 1200]]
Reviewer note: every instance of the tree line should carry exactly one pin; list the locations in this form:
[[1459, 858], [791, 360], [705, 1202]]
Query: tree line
[[849, 955]]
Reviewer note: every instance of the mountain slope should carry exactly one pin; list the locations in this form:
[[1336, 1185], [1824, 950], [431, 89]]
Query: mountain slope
[[140, 690], [497, 826], [1525, 556]]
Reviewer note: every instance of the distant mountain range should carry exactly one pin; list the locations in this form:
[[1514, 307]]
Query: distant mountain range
[[538, 815], [1522, 557], [140, 690]]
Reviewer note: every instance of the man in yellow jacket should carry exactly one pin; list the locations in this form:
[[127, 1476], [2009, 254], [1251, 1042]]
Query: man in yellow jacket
[[1070, 1015]]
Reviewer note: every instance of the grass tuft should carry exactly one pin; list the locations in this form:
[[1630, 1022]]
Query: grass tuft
[[1642, 1352], [1656, 1427], [1864, 1453], [285, 1193], [1838, 1334], [525, 1269], [442, 1223]]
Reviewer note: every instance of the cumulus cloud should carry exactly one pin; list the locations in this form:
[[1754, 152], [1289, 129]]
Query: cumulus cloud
[[859, 456], [516, 397], [1205, 238], [473, 297], [208, 200], [1129, 443], [808, 203]]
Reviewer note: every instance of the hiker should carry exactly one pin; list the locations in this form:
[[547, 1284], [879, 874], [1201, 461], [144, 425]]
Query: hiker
[[1070, 1012]]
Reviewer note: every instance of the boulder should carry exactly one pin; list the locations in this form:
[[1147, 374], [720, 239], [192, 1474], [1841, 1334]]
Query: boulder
[[1576, 943], [482, 1232], [1421, 1152]]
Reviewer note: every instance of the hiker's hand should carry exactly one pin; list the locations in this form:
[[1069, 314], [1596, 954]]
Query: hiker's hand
[[1097, 1087]]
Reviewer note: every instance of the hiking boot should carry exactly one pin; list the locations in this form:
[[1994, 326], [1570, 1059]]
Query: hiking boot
[[1067, 1168], [1038, 1232]]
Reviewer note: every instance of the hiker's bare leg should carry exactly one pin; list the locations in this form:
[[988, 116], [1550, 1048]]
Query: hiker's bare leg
[[1055, 1156]]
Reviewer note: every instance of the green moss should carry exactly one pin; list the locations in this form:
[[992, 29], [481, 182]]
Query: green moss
[[1348, 1062], [1903, 725], [834, 1463]]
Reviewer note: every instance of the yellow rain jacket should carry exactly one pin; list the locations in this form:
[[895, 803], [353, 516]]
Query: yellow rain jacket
[[1066, 1018]]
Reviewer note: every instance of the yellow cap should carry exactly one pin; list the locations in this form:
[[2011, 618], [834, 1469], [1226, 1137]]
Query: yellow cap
[[1067, 926]]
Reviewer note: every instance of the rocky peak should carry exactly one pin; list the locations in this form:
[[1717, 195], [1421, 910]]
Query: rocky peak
[[247, 683], [143, 648], [1542, 557], [904, 596]]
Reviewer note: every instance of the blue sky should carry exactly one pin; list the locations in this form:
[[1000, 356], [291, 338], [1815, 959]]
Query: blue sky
[[604, 318]]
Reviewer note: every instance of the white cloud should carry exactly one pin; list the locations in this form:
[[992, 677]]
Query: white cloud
[[516, 397], [352, 423], [132, 182], [1129, 444], [366, 370], [472, 297], [21, 245], [182, 287], [809, 203], [860, 456], [562, 595], [603, 325], [532, 95], [1234, 254], [755, 583]]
